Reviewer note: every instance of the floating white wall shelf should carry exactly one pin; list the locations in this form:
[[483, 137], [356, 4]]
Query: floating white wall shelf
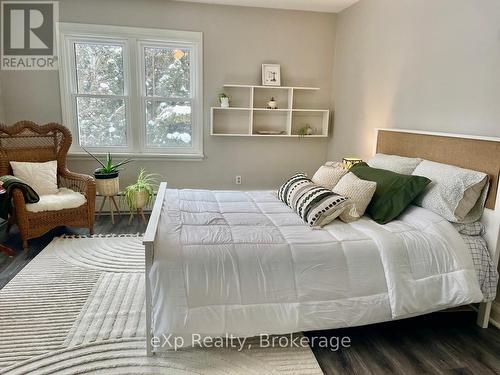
[[250, 114]]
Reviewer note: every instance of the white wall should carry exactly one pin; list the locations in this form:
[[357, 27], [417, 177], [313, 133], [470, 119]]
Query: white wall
[[237, 40], [2, 111], [415, 64]]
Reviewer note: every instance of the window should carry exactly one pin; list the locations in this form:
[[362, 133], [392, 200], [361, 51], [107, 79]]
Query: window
[[131, 90], [167, 85], [100, 101]]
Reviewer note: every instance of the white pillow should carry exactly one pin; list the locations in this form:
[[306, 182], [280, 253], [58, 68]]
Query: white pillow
[[327, 176], [455, 193], [394, 163], [42, 177], [333, 164], [359, 191]]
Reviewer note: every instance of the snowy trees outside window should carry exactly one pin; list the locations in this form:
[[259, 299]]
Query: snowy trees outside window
[[132, 90]]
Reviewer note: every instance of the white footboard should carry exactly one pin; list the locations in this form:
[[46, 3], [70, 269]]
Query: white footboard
[[149, 243], [491, 221]]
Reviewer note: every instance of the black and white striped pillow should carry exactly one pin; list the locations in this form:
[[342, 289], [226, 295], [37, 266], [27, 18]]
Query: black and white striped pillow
[[316, 205], [290, 188]]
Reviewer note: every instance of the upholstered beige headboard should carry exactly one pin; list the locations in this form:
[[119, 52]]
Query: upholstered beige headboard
[[471, 152]]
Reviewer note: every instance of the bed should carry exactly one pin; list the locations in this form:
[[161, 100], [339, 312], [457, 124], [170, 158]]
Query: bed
[[241, 263]]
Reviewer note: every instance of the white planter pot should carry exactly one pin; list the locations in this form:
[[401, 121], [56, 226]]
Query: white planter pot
[[107, 187], [139, 200], [224, 102]]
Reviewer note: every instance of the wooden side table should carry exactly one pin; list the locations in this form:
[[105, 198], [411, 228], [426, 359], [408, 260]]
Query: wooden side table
[[112, 205]]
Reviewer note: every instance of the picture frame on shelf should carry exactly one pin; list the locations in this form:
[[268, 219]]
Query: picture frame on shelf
[[271, 75]]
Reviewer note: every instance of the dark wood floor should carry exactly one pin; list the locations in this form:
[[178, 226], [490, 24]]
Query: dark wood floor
[[439, 343]]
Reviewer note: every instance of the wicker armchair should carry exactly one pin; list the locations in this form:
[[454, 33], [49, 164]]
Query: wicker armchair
[[27, 141]]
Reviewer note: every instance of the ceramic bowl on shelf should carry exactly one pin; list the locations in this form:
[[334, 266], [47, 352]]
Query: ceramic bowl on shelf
[[270, 132]]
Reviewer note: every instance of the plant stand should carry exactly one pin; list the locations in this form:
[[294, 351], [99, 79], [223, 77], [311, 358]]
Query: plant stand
[[140, 213], [112, 202]]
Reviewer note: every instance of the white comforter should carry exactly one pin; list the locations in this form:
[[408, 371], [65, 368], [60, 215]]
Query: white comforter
[[244, 263]]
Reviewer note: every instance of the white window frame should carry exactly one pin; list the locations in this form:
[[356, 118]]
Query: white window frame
[[134, 40]]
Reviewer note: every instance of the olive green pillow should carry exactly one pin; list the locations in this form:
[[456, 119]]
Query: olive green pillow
[[394, 191]]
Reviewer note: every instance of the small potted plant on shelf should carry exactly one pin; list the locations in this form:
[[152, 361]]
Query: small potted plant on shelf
[[224, 100], [140, 194], [107, 176], [305, 131]]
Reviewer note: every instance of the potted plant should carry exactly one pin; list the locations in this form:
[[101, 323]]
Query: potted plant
[[106, 177], [140, 194], [304, 131], [224, 100]]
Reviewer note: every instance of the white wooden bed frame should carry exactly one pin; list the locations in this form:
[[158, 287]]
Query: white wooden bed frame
[[491, 220]]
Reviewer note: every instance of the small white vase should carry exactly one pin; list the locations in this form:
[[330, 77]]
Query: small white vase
[[224, 102]]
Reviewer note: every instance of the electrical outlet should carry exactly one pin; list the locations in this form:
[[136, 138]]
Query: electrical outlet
[[237, 180]]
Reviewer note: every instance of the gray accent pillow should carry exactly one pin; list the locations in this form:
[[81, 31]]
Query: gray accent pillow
[[455, 193], [394, 163]]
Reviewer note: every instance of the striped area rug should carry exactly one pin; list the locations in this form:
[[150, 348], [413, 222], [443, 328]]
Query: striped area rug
[[78, 308]]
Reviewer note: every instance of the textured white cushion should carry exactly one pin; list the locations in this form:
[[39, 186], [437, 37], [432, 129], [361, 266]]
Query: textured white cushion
[[328, 175], [42, 177], [333, 164], [394, 163], [359, 191], [64, 198], [455, 193]]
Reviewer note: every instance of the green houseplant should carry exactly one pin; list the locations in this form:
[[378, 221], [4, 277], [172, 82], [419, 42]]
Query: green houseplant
[[140, 194], [305, 131], [107, 175], [224, 100]]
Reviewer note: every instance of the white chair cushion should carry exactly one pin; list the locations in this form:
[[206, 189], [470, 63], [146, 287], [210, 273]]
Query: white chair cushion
[[64, 198], [42, 177]]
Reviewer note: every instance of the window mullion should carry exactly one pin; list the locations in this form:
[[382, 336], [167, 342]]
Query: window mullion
[[129, 91], [167, 99], [135, 96], [100, 96]]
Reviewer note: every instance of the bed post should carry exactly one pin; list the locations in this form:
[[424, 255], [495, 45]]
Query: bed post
[[148, 241], [491, 221], [483, 315]]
